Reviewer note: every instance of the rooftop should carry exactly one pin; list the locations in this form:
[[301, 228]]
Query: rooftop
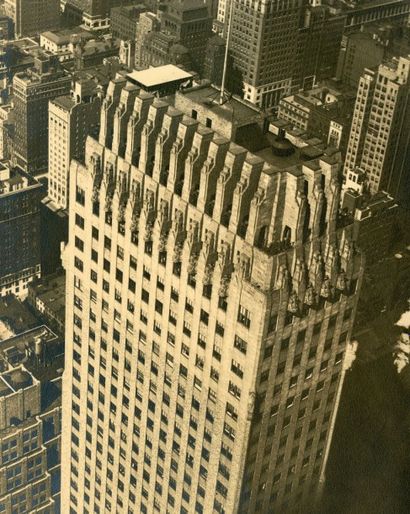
[[39, 350], [51, 291], [14, 179], [232, 109], [63, 36], [66, 102], [159, 75], [15, 317]]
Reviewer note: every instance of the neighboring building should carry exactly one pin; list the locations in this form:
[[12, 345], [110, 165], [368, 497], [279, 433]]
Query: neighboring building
[[93, 52], [207, 334], [6, 131], [280, 47], [32, 91], [379, 146], [20, 200], [54, 233], [147, 22], [94, 14], [371, 11], [47, 297], [33, 16], [59, 42], [15, 317], [127, 53], [124, 21], [30, 405], [323, 112], [375, 219], [368, 47], [6, 27], [361, 51], [161, 81], [101, 74], [214, 60], [71, 119], [179, 35]]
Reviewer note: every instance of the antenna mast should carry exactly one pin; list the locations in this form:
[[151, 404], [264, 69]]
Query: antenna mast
[[228, 37]]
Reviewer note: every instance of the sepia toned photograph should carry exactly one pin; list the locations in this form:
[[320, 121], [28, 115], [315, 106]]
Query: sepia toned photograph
[[204, 256]]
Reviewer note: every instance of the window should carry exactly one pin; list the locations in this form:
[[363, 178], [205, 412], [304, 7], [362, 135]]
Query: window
[[187, 329], [284, 344], [231, 411], [217, 353], [80, 195], [189, 306], [144, 296], [222, 304], [107, 243], [79, 244], [237, 368], [234, 390], [204, 317], [240, 344], [79, 221], [244, 316], [78, 263], [219, 329]]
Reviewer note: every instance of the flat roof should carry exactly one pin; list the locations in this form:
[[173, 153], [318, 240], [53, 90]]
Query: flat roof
[[13, 353], [159, 75], [233, 109]]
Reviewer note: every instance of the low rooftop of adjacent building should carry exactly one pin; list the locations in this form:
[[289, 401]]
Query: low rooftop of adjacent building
[[51, 291], [38, 350], [46, 69], [15, 317], [64, 36], [13, 179]]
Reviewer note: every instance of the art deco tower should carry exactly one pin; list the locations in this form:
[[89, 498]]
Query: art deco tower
[[210, 303]]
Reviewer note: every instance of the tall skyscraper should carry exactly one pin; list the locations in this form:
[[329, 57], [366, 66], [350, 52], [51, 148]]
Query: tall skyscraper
[[210, 300], [279, 47], [71, 119], [378, 154], [33, 89], [20, 259]]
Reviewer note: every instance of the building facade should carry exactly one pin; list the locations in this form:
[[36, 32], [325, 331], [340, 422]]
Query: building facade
[[32, 91], [124, 21], [20, 256], [32, 17], [206, 335], [379, 145], [47, 297], [322, 112], [71, 119], [279, 47], [179, 35], [30, 406]]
